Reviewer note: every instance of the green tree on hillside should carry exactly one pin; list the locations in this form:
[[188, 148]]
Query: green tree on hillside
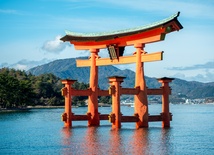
[[79, 100], [20, 89], [47, 88], [14, 93]]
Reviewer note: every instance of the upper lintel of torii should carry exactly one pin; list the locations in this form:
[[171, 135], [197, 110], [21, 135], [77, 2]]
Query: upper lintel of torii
[[142, 35], [116, 41]]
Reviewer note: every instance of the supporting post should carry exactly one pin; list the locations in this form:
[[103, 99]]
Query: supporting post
[[66, 92], [141, 102], [166, 115], [93, 97], [115, 91]]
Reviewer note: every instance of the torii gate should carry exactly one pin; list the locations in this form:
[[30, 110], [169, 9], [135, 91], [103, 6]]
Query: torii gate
[[115, 42]]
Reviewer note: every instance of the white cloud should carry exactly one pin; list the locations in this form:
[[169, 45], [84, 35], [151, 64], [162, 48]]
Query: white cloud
[[54, 46], [20, 67], [200, 75], [8, 11], [11, 12], [25, 64], [207, 65]]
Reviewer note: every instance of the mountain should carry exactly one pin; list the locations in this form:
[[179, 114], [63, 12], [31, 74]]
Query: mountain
[[192, 89], [66, 69]]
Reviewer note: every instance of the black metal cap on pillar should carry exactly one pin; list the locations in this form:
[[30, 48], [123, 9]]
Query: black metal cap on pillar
[[120, 77], [68, 81], [117, 78], [165, 79]]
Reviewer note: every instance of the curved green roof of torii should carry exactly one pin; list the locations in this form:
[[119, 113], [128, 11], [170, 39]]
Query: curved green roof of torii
[[74, 36]]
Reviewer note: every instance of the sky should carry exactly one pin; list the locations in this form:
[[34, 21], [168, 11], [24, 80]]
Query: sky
[[30, 31]]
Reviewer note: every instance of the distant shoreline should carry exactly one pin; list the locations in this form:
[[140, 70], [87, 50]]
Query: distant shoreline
[[3, 110], [44, 107], [28, 108]]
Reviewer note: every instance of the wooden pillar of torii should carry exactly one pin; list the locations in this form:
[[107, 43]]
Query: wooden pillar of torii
[[93, 97], [140, 100], [115, 42]]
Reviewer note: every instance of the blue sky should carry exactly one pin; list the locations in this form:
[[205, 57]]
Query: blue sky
[[30, 32]]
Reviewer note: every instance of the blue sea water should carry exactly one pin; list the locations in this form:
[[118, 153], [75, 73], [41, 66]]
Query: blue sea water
[[40, 131]]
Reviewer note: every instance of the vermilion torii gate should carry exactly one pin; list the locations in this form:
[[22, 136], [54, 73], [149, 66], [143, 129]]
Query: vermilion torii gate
[[116, 42]]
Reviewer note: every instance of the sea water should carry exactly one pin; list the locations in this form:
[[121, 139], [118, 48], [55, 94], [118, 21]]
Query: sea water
[[40, 131]]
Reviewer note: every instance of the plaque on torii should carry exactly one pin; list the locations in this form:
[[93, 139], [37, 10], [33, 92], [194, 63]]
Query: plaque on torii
[[116, 42]]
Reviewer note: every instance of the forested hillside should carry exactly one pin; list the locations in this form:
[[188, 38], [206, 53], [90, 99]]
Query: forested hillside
[[19, 89]]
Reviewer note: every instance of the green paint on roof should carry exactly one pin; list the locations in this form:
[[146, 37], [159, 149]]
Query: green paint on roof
[[141, 28]]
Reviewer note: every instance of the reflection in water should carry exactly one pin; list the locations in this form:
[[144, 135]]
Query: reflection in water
[[115, 142], [140, 142], [92, 143], [166, 144], [66, 136], [66, 142], [122, 142], [103, 140]]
